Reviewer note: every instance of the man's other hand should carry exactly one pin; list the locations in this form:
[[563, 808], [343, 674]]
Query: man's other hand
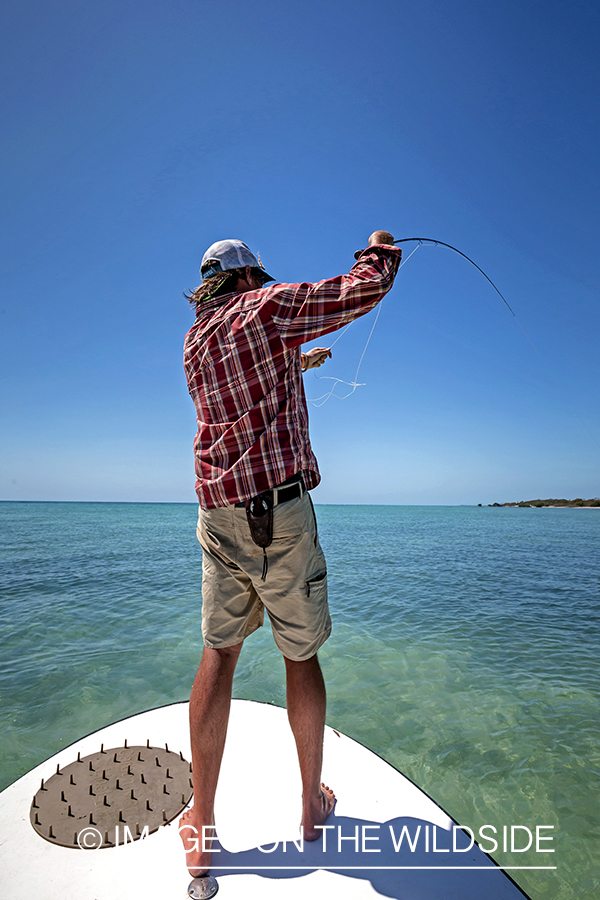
[[314, 358]]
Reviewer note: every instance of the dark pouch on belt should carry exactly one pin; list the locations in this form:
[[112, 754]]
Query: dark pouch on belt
[[259, 512]]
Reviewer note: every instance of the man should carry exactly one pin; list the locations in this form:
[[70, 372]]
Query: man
[[257, 528]]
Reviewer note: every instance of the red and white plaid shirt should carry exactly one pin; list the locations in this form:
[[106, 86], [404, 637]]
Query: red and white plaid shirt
[[243, 366]]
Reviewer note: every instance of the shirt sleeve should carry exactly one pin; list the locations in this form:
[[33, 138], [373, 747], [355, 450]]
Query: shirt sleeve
[[302, 312]]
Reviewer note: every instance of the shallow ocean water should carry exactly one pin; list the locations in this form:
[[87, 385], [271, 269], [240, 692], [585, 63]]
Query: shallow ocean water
[[465, 650]]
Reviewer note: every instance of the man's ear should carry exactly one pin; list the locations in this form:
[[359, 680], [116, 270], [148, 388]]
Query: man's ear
[[241, 273]]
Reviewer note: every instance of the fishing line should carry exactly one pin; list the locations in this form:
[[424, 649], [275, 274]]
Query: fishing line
[[319, 401]]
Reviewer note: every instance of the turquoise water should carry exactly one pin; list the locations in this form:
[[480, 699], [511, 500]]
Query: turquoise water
[[465, 650]]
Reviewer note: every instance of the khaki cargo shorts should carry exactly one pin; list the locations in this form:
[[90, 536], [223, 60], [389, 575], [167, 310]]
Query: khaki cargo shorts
[[295, 590]]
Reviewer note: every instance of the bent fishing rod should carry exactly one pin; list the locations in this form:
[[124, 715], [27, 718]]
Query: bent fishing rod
[[423, 240]]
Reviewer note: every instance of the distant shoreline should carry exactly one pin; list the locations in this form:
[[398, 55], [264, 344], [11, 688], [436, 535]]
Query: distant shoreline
[[578, 503]]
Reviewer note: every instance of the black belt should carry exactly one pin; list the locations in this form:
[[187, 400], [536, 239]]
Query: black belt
[[282, 493]]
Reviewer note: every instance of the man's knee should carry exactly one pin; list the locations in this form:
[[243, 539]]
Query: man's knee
[[299, 665], [222, 654]]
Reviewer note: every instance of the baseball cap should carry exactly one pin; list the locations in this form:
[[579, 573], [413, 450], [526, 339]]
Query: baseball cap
[[232, 254]]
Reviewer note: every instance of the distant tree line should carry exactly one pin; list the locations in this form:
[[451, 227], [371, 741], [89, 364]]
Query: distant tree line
[[595, 501]]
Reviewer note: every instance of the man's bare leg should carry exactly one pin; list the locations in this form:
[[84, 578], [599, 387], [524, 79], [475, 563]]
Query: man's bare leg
[[210, 702], [306, 703]]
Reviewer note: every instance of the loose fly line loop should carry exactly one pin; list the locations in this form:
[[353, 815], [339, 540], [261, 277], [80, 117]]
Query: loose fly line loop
[[319, 401]]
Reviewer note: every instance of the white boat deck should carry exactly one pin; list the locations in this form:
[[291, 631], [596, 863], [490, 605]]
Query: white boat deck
[[257, 806]]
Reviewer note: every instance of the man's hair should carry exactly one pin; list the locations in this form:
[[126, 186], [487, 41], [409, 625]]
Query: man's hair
[[216, 285]]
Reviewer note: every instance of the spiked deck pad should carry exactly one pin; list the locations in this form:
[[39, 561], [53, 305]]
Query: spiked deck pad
[[112, 796]]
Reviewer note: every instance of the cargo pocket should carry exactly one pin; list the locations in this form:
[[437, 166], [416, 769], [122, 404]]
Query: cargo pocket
[[317, 610], [316, 583]]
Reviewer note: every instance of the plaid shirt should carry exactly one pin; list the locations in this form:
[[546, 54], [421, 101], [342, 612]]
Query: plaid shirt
[[243, 367]]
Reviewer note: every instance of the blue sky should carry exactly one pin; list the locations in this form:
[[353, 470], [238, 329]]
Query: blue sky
[[137, 134]]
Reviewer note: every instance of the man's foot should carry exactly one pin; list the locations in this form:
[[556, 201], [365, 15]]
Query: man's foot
[[316, 812], [190, 830]]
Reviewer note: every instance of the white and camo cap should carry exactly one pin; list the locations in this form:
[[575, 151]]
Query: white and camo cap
[[224, 255]]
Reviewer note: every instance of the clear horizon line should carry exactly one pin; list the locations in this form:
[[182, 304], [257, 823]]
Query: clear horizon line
[[195, 503]]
